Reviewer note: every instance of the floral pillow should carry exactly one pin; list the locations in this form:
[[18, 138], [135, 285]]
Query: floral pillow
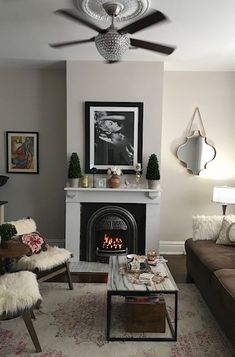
[[35, 242]]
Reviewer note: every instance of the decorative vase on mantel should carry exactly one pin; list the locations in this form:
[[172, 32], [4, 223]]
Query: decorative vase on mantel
[[153, 184], [114, 181]]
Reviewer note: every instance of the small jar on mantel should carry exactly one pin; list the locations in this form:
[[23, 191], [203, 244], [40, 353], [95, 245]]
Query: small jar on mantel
[[114, 181]]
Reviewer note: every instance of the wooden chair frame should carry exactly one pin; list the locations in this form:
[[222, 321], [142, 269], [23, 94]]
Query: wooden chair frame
[[27, 315]]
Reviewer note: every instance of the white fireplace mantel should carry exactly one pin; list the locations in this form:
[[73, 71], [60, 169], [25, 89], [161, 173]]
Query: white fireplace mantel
[[76, 196]]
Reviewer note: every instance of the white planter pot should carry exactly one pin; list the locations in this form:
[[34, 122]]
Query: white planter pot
[[73, 182], [153, 184]]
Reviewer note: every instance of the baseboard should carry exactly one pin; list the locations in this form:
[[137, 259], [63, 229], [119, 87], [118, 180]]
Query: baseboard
[[57, 242], [171, 247]]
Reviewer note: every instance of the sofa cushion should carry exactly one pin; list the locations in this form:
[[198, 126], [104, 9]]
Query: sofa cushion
[[225, 280], [212, 255]]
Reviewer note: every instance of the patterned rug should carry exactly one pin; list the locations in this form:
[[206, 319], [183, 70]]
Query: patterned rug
[[73, 323]]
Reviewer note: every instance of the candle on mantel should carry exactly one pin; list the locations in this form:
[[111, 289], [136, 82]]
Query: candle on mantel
[[138, 166]]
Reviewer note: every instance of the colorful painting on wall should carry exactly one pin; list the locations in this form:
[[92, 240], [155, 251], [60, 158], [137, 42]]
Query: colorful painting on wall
[[22, 152]]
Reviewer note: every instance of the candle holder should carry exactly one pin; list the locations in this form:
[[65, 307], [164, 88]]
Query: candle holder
[[94, 171], [137, 173]]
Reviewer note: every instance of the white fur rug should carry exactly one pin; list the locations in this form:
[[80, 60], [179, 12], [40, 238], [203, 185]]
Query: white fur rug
[[72, 323]]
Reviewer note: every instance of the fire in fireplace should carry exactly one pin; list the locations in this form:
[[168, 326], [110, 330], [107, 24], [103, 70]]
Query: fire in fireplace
[[112, 243]]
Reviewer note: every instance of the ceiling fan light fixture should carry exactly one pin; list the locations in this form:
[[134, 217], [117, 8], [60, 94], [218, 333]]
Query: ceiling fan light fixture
[[112, 45]]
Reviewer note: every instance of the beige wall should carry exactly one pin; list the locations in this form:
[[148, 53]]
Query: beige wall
[[125, 81], [185, 194], [35, 100]]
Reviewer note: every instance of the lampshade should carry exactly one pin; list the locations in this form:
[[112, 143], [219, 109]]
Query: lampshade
[[112, 45], [224, 195]]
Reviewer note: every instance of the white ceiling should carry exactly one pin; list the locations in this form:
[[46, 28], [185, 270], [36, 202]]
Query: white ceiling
[[202, 30]]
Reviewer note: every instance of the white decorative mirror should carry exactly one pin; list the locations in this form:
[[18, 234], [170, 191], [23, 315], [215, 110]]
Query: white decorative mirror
[[195, 153]]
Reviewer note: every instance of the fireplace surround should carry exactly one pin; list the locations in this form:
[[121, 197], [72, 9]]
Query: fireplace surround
[[124, 198]]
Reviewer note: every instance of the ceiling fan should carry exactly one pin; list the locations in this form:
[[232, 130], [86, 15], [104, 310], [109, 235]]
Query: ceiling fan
[[111, 42]]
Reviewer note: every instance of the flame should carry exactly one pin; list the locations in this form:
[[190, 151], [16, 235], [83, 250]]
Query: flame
[[112, 242]]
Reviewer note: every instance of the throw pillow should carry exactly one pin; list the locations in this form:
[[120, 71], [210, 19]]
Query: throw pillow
[[231, 232], [34, 240], [206, 227], [223, 236]]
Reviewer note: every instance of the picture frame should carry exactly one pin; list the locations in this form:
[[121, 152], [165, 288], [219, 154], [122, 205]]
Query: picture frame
[[22, 152], [100, 182], [113, 136]]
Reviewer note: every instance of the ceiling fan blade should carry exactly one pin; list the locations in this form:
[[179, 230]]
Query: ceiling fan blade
[[167, 50], [143, 23], [74, 15], [70, 43]]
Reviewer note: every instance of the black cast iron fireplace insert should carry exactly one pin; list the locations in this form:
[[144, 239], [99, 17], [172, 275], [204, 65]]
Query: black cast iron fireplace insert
[[110, 229]]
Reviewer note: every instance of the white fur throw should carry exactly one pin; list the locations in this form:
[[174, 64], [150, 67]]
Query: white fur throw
[[24, 226], [49, 259], [224, 232], [18, 291], [206, 227]]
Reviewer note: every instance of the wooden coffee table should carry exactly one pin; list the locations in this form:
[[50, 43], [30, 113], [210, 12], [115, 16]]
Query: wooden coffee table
[[118, 284]]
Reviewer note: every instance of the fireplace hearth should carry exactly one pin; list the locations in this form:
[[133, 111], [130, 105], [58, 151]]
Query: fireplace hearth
[[111, 229]]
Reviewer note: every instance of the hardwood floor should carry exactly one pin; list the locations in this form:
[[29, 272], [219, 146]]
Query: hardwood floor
[[176, 264]]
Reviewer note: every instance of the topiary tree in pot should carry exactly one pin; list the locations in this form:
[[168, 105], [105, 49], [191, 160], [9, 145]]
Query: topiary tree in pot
[[7, 231], [153, 174], [74, 170]]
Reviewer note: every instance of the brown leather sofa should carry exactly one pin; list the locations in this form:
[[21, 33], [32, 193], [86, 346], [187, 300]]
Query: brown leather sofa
[[212, 268]]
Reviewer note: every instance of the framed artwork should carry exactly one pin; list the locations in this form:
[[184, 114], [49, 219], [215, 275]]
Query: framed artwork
[[113, 135], [22, 152]]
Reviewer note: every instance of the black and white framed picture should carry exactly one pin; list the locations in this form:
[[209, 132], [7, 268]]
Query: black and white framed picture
[[113, 135]]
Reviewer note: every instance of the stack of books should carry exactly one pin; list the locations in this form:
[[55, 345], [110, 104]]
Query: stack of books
[[147, 299]]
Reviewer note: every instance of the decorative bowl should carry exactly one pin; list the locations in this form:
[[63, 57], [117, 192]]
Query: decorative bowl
[[3, 180]]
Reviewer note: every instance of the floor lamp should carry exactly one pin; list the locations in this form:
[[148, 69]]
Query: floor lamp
[[224, 195]]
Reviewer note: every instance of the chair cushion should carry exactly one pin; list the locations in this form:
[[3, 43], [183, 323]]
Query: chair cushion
[[49, 259], [18, 292]]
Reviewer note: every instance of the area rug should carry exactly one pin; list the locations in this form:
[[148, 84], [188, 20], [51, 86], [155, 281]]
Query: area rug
[[73, 323]]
